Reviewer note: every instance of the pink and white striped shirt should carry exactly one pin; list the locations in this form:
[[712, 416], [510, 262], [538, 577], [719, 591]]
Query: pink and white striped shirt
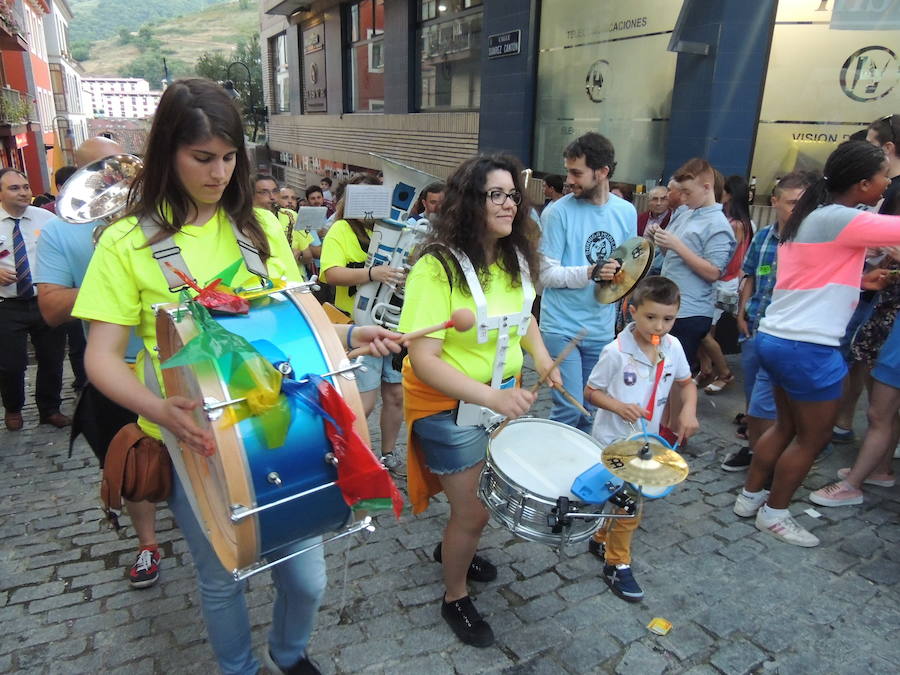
[[817, 282]]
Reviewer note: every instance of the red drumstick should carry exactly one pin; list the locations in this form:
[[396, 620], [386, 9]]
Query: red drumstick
[[462, 320]]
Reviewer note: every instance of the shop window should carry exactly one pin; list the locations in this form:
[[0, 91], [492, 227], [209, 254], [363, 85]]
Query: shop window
[[449, 37], [280, 77], [365, 56]]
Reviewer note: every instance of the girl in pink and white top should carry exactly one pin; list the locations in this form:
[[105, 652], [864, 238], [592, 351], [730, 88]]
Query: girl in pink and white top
[[820, 264]]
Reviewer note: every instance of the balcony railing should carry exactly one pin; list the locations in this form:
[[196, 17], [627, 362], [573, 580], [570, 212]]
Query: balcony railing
[[15, 108], [10, 30]]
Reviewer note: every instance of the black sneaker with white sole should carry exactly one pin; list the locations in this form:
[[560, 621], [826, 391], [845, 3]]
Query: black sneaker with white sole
[[466, 622], [738, 461]]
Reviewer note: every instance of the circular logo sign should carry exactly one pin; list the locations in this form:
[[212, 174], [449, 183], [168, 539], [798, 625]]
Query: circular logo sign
[[870, 73], [599, 246], [597, 77]]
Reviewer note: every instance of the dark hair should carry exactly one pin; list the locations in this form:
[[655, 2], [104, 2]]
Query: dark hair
[[63, 174], [850, 163], [625, 188], [325, 179], [461, 223], [264, 176], [796, 180], [887, 130], [431, 188], [597, 151], [655, 289], [738, 207], [41, 199], [555, 181], [192, 111], [358, 226], [312, 189]]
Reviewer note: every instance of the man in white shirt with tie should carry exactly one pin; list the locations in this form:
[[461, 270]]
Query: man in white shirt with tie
[[20, 318]]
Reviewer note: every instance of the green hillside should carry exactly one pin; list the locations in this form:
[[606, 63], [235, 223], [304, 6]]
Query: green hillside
[[180, 40], [97, 19]]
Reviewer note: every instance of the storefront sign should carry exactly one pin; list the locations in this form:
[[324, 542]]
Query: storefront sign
[[21, 141], [504, 44], [314, 89]]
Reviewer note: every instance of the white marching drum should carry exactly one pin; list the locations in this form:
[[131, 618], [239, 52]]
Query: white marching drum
[[527, 479]]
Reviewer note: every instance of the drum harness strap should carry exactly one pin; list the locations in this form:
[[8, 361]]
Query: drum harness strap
[[165, 250], [470, 414]]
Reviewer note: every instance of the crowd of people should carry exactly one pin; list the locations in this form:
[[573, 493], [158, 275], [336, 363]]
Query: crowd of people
[[813, 296]]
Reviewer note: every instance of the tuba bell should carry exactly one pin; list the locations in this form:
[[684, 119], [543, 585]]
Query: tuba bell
[[98, 191]]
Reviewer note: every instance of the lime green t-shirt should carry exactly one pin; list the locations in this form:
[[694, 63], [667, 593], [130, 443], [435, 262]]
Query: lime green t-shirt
[[124, 281], [429, 301], [340, 248]]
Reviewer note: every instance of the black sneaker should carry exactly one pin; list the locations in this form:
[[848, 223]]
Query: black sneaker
[[738, 461], [621, 581], [466, 622], [480, 569], [145, 570], [304, 666], [597, 548]]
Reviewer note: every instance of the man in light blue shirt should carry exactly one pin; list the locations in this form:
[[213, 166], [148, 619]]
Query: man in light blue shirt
[[63, 255], [580, 232]]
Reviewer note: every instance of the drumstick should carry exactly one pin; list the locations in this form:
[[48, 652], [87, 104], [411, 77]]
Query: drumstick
[[543, 378], [462, 320], [571, 399]]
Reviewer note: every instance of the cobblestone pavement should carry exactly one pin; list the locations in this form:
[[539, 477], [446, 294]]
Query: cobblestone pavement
[[739, 601]]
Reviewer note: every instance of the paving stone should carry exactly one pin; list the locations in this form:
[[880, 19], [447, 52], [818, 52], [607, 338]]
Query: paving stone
[[530, 588], [535, 639], [737, 657], [29, 593], [587, 651], [641, 660], [467, 660], [684, 641], [540, 608], [863, 545], [880, 571]]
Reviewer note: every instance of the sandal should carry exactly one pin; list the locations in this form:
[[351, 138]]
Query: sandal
[[739, 419], [719, 384], [702, 378]]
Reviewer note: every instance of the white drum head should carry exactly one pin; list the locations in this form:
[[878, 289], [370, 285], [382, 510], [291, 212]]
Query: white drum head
[[542, 456]]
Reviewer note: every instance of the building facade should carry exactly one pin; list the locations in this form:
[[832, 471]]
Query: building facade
[[70, 121], [758, 88], [120, 97]]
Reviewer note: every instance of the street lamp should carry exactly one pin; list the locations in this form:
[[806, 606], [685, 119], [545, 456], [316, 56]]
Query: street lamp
[[255, 112]]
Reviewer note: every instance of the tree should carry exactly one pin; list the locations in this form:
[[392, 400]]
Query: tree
[[149, 66], [81, 51]]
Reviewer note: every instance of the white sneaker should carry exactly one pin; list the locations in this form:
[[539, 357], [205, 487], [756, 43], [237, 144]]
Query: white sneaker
[[788, 530], [748, 506]]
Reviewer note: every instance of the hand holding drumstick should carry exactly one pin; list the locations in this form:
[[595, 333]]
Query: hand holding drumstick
[[462, 320]]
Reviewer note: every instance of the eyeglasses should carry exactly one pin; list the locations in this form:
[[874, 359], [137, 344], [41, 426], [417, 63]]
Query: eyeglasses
[[499, 197]]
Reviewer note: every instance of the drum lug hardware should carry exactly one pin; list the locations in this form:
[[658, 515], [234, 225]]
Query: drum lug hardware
[[274, 478], [559, 516], [331, 459], [213, 407], [238, 512]]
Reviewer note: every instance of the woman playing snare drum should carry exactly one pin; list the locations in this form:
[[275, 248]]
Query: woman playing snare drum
[[194, 183], [481, 254]]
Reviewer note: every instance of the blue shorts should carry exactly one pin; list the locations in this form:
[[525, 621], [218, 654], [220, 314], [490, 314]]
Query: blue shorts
[[377, 370], [806, 371], [449, 448], [887, 367], [757, 383]]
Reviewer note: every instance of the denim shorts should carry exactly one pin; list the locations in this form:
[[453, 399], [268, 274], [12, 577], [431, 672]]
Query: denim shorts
[[378, 370], [806, 371], [449, 448], [887, 367], [757, 384]]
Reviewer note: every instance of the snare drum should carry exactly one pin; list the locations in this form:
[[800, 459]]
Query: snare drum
[[528, 476], [251, 499]]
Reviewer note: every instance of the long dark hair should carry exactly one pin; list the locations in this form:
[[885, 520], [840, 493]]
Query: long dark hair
[[192, 111], [738, 207], [850, 163], [460, 225]]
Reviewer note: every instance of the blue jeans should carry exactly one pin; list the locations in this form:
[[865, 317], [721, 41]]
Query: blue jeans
[[575, 370], [299, 587]]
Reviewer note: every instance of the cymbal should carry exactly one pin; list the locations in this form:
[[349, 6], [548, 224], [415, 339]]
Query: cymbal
[[645, 462], [635, 256]]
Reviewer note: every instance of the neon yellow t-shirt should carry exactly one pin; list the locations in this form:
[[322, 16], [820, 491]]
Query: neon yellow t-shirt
[[429, 301], [124, 281], [340, 248]]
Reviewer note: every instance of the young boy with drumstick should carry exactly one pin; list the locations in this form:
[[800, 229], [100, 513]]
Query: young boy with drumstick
[[630, 382]]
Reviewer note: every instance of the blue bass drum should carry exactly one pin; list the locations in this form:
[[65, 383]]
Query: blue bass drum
[[255, 501]]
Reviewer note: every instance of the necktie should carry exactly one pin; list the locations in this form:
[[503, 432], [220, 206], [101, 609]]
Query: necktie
[[24, 287]]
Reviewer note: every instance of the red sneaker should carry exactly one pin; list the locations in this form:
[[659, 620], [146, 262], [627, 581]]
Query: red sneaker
[[145, 571]]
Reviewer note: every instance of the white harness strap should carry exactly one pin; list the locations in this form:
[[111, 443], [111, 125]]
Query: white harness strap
[[502, 323]]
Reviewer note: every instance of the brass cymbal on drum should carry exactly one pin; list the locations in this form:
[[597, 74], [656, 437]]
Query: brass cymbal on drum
[[635, 256], [645, 462]]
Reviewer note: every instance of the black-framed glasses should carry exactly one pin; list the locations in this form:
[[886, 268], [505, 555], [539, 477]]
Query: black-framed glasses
[[499, 197]]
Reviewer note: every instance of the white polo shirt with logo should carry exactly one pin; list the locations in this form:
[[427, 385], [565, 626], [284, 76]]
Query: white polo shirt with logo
[[625, 373]]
